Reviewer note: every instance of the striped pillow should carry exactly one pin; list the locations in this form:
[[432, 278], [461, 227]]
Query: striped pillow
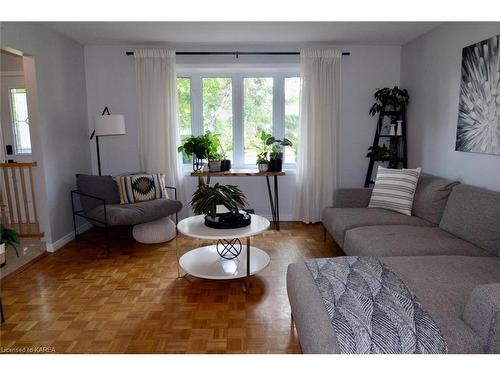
[[141, 187], [394, 189]]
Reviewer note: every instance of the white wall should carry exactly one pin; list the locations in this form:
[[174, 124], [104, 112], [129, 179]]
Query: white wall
[[430, 70], [111, 82], [59, 124]]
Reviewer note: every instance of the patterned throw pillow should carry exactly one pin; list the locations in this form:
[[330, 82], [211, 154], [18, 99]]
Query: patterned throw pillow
[[141, 187], [394, 189]]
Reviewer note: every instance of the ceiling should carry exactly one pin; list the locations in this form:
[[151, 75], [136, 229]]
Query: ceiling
[[394, 33]]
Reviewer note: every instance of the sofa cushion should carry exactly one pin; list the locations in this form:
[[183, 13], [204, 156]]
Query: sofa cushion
[[100, 186], [431, 196], [473, 214], [390, 240], [136, 213], [338, 220], [443, 285], [394, 189], [482, 313], [351, 197]]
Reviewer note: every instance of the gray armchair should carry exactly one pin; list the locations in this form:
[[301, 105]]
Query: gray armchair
[[100, 201]]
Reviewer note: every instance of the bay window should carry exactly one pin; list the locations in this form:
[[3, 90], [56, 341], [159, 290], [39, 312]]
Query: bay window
[[237, 105]]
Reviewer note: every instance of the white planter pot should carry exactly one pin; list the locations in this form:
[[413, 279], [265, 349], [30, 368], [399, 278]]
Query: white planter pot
[[399, 131], [262, 167], [392, 131], [214, 166]]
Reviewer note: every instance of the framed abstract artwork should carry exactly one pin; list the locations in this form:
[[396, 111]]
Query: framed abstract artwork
[[478, 126]]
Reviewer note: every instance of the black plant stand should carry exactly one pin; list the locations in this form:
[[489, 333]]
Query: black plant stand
[[398, 144]]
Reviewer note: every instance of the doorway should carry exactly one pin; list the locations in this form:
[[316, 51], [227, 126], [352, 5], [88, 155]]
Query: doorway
[[18, 208]]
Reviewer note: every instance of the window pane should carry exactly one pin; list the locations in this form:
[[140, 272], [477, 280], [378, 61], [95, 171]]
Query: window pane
[[292, 107], [218, 111], [20, 122], [258, 114], [184, 98]]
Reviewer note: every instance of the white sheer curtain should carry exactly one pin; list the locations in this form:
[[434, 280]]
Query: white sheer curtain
[[317, 171], [158, 129]]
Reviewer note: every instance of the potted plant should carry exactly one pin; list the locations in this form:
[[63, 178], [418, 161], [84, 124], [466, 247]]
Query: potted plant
[[206, 200], [276, 154], [388, 99], [379, 153], [8, 237], [200, 148], [225, 164], [214, 162], [262, 162]]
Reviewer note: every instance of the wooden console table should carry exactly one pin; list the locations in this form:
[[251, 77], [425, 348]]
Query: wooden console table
[[273, 198]]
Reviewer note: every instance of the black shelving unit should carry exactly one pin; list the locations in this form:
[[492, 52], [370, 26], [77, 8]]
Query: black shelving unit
[[397, 144]]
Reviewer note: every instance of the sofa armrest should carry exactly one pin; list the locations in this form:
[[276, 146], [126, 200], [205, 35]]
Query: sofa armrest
[[482, 313], [351, 197]]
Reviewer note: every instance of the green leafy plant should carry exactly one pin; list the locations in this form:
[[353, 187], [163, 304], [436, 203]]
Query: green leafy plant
[[385, 97], [206, 198], [379, 153], [9, 237], [262, 158], [277, 146], [202, 146], [215, 156]]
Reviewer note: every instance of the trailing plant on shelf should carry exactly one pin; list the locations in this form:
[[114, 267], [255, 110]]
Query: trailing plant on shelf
[[206, 198], [389, 99]]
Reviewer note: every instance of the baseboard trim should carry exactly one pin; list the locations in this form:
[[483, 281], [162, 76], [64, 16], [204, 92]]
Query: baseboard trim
[[56, 245]]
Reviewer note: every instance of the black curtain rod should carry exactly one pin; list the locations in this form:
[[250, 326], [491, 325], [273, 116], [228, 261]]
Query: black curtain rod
[[236, 53]]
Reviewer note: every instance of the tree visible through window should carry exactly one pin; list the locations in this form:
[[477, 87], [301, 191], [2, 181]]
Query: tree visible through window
[[237, 106], [258, 113], [184, 105], [292, 108], [218, 110], [20, 121]]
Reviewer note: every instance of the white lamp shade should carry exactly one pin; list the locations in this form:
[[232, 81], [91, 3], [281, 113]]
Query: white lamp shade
[[110, 125]]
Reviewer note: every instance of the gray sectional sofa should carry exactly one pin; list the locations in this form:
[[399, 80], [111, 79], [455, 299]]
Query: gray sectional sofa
[[448, 218], [447, 254]]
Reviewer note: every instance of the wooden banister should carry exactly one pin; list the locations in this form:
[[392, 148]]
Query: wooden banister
[[20, 193]]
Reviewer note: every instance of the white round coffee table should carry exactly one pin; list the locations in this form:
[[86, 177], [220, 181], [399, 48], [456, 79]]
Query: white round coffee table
[[229, 259]]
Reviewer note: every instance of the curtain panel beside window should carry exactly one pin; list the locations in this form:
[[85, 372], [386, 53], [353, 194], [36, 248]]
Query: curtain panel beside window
[[317, 172], [158, 125]]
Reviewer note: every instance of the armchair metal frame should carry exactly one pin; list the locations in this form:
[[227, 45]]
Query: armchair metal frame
[[81, 213]]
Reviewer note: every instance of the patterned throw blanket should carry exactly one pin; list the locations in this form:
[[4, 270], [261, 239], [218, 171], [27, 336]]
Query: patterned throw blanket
[[372, 310]]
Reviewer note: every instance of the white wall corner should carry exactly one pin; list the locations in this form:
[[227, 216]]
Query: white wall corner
[[56, 245]]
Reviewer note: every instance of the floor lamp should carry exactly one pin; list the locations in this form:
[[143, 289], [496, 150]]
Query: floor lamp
[[107, 124]]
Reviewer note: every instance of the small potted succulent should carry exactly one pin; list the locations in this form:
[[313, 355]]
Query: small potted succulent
[[8, 237], [262, 162], [276, 155]]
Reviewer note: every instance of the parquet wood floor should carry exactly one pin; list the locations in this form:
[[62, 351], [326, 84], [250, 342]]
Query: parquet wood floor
[[77, 300]]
